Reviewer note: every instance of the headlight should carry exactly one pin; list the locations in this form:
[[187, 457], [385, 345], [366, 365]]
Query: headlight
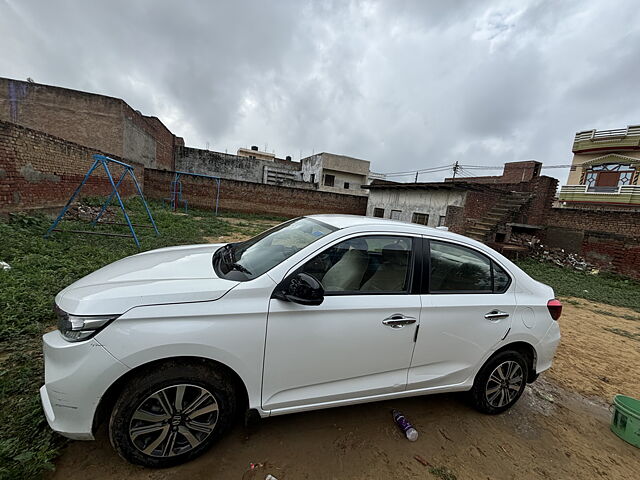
[[75, 328]]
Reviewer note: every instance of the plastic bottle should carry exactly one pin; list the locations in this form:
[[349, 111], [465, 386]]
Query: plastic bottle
[[405, 426]]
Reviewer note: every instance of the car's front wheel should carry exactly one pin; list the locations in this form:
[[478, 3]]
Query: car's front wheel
[[500, 382], [171, 414]]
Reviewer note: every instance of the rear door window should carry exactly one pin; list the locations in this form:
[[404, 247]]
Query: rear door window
[[455, 268]]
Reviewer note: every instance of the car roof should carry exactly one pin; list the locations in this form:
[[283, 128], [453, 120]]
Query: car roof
[[346, 221]]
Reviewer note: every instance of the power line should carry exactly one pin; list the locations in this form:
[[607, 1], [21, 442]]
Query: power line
[[460, 170], [424, 170], [500, 167], [412, 173]]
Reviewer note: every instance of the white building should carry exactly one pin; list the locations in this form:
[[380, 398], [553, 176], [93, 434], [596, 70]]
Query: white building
[[336, 173], [423, 203]]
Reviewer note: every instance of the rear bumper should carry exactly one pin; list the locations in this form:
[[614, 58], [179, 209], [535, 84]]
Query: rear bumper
[[76, 377], [546, 348]]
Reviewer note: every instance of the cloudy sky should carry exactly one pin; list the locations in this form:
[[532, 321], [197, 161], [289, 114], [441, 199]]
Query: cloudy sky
[[405, 84]]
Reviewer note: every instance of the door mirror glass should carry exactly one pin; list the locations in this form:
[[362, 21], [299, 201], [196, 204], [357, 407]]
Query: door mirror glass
[[300, 288]]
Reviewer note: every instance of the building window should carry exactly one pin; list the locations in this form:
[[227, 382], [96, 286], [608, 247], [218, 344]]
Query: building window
[[395, 214], [421, 218], [378, 212], [313, 178], [608, 177], [329, 180], [346, 185], [441, 220]]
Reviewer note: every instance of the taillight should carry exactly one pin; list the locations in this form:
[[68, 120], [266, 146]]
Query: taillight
[[555, 308]]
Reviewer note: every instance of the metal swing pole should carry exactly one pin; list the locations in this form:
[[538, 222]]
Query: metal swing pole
[[175, 192], [144, 201], [217, 194], [124, 211], [75, 193], [108, 202]]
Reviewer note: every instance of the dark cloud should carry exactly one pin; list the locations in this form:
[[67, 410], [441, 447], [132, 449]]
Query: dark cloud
[[407, 84]]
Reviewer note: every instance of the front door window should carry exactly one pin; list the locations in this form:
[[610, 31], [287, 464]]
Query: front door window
[[370, 264]]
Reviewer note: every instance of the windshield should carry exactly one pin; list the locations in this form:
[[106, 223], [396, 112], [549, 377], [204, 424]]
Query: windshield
[[249, 259]]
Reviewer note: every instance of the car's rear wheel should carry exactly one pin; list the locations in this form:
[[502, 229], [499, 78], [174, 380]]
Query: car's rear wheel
[[500, 382], [171, 414]]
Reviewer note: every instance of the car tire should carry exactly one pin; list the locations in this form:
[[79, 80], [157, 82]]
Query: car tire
[[171, 413], [500, 382]]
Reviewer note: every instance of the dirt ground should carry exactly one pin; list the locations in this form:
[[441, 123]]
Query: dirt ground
[[558, 430]]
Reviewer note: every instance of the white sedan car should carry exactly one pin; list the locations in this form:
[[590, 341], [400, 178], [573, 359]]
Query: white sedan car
[[321, 311]]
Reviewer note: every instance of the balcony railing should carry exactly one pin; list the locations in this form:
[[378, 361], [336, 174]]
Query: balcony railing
[[607, 139], [624, 194]]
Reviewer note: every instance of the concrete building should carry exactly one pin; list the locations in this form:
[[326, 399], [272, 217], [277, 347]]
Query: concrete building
[[423, 203], [336, 173], [253, 152], [485, 208], [604, 171], [96, 121], [269, 170]]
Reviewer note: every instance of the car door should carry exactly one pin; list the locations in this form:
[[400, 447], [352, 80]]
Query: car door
[[467, 306], [359, 341]]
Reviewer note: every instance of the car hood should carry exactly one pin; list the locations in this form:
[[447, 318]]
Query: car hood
[[167, 275]]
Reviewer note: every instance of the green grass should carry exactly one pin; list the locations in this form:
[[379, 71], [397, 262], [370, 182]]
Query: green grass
[[623, 333], [606, 288], [41, 268], [443, 473]]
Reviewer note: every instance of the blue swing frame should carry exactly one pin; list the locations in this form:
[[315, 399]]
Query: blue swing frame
[[102, 160], [176, 190]]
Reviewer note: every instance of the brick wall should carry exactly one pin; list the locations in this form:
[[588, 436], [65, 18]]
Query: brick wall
[[105, 123], [613, 252], [248, 197], [544, 191], [620, 223], [83, 118], [609, 239], [476, 205], [479, 202], [39, 170]]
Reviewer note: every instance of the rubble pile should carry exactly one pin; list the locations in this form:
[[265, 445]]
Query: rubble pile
[[88, 213], [557, 256]]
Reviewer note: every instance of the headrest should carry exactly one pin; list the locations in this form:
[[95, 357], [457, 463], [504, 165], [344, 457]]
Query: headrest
[[395, 253], [355, 243]]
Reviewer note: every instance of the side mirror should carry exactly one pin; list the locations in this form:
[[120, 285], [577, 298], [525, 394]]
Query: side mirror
[[300, 288]]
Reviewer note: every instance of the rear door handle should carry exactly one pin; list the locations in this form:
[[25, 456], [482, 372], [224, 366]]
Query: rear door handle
[[398, 320], [496, 315]]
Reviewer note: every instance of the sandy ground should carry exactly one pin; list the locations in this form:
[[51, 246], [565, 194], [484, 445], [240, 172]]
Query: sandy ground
[[558, 430]]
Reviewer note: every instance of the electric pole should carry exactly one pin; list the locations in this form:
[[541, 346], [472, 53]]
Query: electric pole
[[455, 169]]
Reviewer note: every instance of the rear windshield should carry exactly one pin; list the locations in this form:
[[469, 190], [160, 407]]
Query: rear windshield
[[249, 259]]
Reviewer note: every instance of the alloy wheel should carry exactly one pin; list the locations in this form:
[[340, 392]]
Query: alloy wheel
[[504, 384], [173, 420]]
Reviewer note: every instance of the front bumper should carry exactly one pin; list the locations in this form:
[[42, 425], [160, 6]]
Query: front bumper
[[76, 377]]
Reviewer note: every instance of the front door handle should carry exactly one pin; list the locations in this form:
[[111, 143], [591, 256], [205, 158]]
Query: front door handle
[[496, 315], [398, 320]]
